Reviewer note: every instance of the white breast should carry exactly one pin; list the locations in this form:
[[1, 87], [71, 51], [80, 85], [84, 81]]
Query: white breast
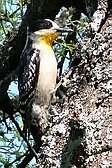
[[47, 75]]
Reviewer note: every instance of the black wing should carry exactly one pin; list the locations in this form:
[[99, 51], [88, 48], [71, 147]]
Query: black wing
[[28, 76]]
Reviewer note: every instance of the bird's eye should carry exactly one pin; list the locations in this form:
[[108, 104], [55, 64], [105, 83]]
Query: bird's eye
[[48, 24]]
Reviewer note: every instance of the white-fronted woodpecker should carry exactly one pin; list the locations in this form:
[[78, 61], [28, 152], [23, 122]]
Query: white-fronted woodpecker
[[38, 73]]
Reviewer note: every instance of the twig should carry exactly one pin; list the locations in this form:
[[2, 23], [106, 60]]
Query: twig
[[25, 139], [60, 64], [11, 15], [26, 160], [3, 28], [17, 159]]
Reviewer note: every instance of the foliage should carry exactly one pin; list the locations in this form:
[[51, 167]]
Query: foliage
[[80, 27], [11, 14], [12, 146]]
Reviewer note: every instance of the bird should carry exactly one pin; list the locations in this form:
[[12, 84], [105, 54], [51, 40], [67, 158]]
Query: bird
[[38, 74]]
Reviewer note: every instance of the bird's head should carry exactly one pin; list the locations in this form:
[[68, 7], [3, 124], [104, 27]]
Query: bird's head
[[46, 30]]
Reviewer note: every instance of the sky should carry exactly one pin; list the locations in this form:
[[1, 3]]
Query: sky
[[13, 89]]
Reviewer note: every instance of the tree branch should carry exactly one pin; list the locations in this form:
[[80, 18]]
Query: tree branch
[[17, 159], [25, 139]]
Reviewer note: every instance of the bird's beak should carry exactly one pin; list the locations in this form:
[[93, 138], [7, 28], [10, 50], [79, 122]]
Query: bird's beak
[[64, 30]]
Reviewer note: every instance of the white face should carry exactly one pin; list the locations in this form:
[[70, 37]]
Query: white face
[[53, 29], [55, 26]]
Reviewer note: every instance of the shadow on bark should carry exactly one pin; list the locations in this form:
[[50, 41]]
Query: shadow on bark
[[73, 152]]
